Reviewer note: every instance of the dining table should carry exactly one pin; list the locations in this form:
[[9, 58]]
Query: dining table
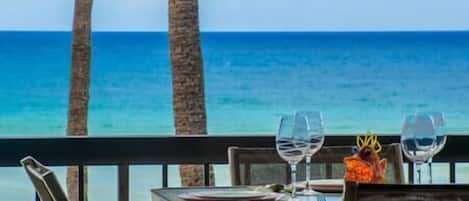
[[172, 194]]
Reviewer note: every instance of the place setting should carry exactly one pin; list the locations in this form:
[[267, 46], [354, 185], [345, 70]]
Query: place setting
[[231, 195]]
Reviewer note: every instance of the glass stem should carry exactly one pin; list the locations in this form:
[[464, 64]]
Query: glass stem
[[418, 167], [293, 180], [308, 172], [430, 173]]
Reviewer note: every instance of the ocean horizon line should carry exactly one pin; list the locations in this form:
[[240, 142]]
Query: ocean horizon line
[[243, 31]]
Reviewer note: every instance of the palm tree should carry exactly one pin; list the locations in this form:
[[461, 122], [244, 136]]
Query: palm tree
[[188, 79], [80, 84]]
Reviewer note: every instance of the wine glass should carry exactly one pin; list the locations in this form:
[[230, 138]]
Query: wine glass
[[291, 144], [314, 128], [440, 130], [418, 140]]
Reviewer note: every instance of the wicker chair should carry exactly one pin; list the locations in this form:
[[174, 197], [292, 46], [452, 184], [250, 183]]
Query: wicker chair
[[44, 180], [402, 192], [259, 166]]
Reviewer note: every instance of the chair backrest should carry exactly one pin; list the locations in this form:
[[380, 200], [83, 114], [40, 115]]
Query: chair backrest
[[403, 192], [44, 180], [259, 166]]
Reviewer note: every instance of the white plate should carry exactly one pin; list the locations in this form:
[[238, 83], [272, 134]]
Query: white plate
[[324, 185], [332, 182], [230, 194]]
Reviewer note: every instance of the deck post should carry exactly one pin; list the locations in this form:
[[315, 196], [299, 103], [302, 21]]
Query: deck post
[[123, 182]]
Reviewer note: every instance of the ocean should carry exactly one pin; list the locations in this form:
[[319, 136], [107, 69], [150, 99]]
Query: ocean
[[359, 80]]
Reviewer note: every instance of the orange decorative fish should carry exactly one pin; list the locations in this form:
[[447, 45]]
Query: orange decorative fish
[[366, 166]]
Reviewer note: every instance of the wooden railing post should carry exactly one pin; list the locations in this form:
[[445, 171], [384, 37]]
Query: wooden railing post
[[207, 174], [164, 173], [81, 182], [410, 171], [452, 172], [123, 182]]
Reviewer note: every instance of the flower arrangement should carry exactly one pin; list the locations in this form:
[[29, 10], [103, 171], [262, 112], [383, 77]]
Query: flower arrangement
[[366, 166]]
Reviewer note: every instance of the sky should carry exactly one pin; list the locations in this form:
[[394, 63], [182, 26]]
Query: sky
[[246, 15]]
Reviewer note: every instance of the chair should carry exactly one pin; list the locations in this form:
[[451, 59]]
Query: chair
[[260, 166], [403, 192], [44, 180]]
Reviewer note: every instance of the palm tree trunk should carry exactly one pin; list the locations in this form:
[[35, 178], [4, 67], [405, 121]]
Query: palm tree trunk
[[188, 79], [80, 85]]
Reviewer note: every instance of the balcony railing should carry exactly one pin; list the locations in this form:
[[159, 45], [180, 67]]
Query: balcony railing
[[206, 150]]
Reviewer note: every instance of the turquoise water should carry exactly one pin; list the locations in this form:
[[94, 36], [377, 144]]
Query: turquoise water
[[360, 81]]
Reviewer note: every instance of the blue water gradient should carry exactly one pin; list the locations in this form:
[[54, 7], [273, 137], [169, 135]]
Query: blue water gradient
[[360, 80]]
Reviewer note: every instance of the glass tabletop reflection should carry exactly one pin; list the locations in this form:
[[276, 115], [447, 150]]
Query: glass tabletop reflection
[[171, 194]]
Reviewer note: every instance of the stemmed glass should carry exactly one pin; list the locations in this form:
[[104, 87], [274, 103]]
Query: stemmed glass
[[314, 129], [440, 131], [291, 144], [418, 140]]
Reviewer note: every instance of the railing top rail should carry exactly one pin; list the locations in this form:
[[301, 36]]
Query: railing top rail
[[167, 149]]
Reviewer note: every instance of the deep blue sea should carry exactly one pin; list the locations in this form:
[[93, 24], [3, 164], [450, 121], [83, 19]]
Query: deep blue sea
[[360, 80]]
